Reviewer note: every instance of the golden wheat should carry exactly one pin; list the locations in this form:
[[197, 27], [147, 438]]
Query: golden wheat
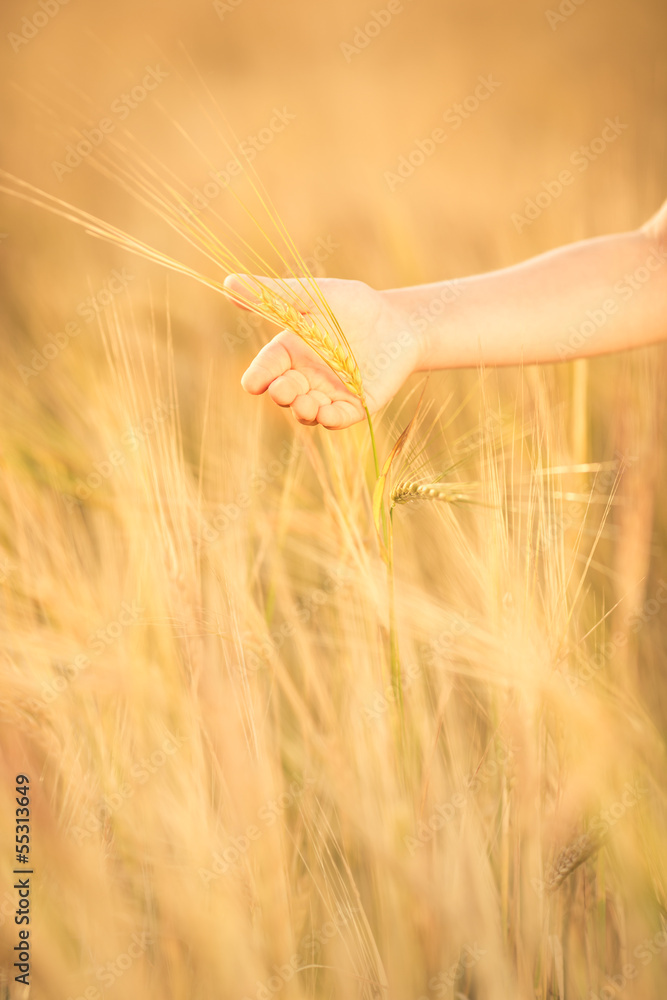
[[312, 333], [570, 858], [295, 826], [405, 492]]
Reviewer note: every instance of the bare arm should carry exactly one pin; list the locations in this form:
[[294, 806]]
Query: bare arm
[[584, 299], [588, 298]]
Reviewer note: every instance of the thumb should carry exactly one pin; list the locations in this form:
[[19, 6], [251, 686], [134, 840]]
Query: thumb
[[245, 291]]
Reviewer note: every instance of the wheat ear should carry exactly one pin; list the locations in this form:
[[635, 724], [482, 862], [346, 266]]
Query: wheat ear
[[313, 334], [448, 493], [570, 858]]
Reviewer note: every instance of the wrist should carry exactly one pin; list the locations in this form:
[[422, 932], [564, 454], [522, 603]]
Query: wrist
[[427, 311], [406, 329]]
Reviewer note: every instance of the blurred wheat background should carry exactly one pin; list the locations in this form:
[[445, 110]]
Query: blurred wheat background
[[194, 618]]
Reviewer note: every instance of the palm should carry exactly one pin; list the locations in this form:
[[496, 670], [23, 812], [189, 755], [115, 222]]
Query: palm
[[295, 376]]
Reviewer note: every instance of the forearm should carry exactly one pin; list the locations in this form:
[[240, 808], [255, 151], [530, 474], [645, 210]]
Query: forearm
[[580, 300]]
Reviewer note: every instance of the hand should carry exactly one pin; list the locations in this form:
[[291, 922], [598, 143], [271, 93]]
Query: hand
[[379, 335], [656, 226]]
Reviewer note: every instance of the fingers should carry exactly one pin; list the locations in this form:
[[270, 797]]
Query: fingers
[[306, 406], [272, 361], [289, 388], [316, 407], [339, 414], [295, 377], [285, 389]]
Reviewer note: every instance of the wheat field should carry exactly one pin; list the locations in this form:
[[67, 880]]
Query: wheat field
[[260, 761]]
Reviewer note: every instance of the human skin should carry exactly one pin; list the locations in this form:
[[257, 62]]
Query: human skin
[[580, 300]]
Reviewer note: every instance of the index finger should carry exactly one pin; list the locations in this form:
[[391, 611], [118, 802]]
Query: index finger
[[272, 361]]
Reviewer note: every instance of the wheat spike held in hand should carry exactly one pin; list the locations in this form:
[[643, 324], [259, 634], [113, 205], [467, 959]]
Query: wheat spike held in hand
[[313, 334]]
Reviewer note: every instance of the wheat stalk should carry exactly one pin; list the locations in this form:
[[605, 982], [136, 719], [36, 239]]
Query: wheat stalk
[[447, 492], [274, 308], [313, 334], [570, 858]]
